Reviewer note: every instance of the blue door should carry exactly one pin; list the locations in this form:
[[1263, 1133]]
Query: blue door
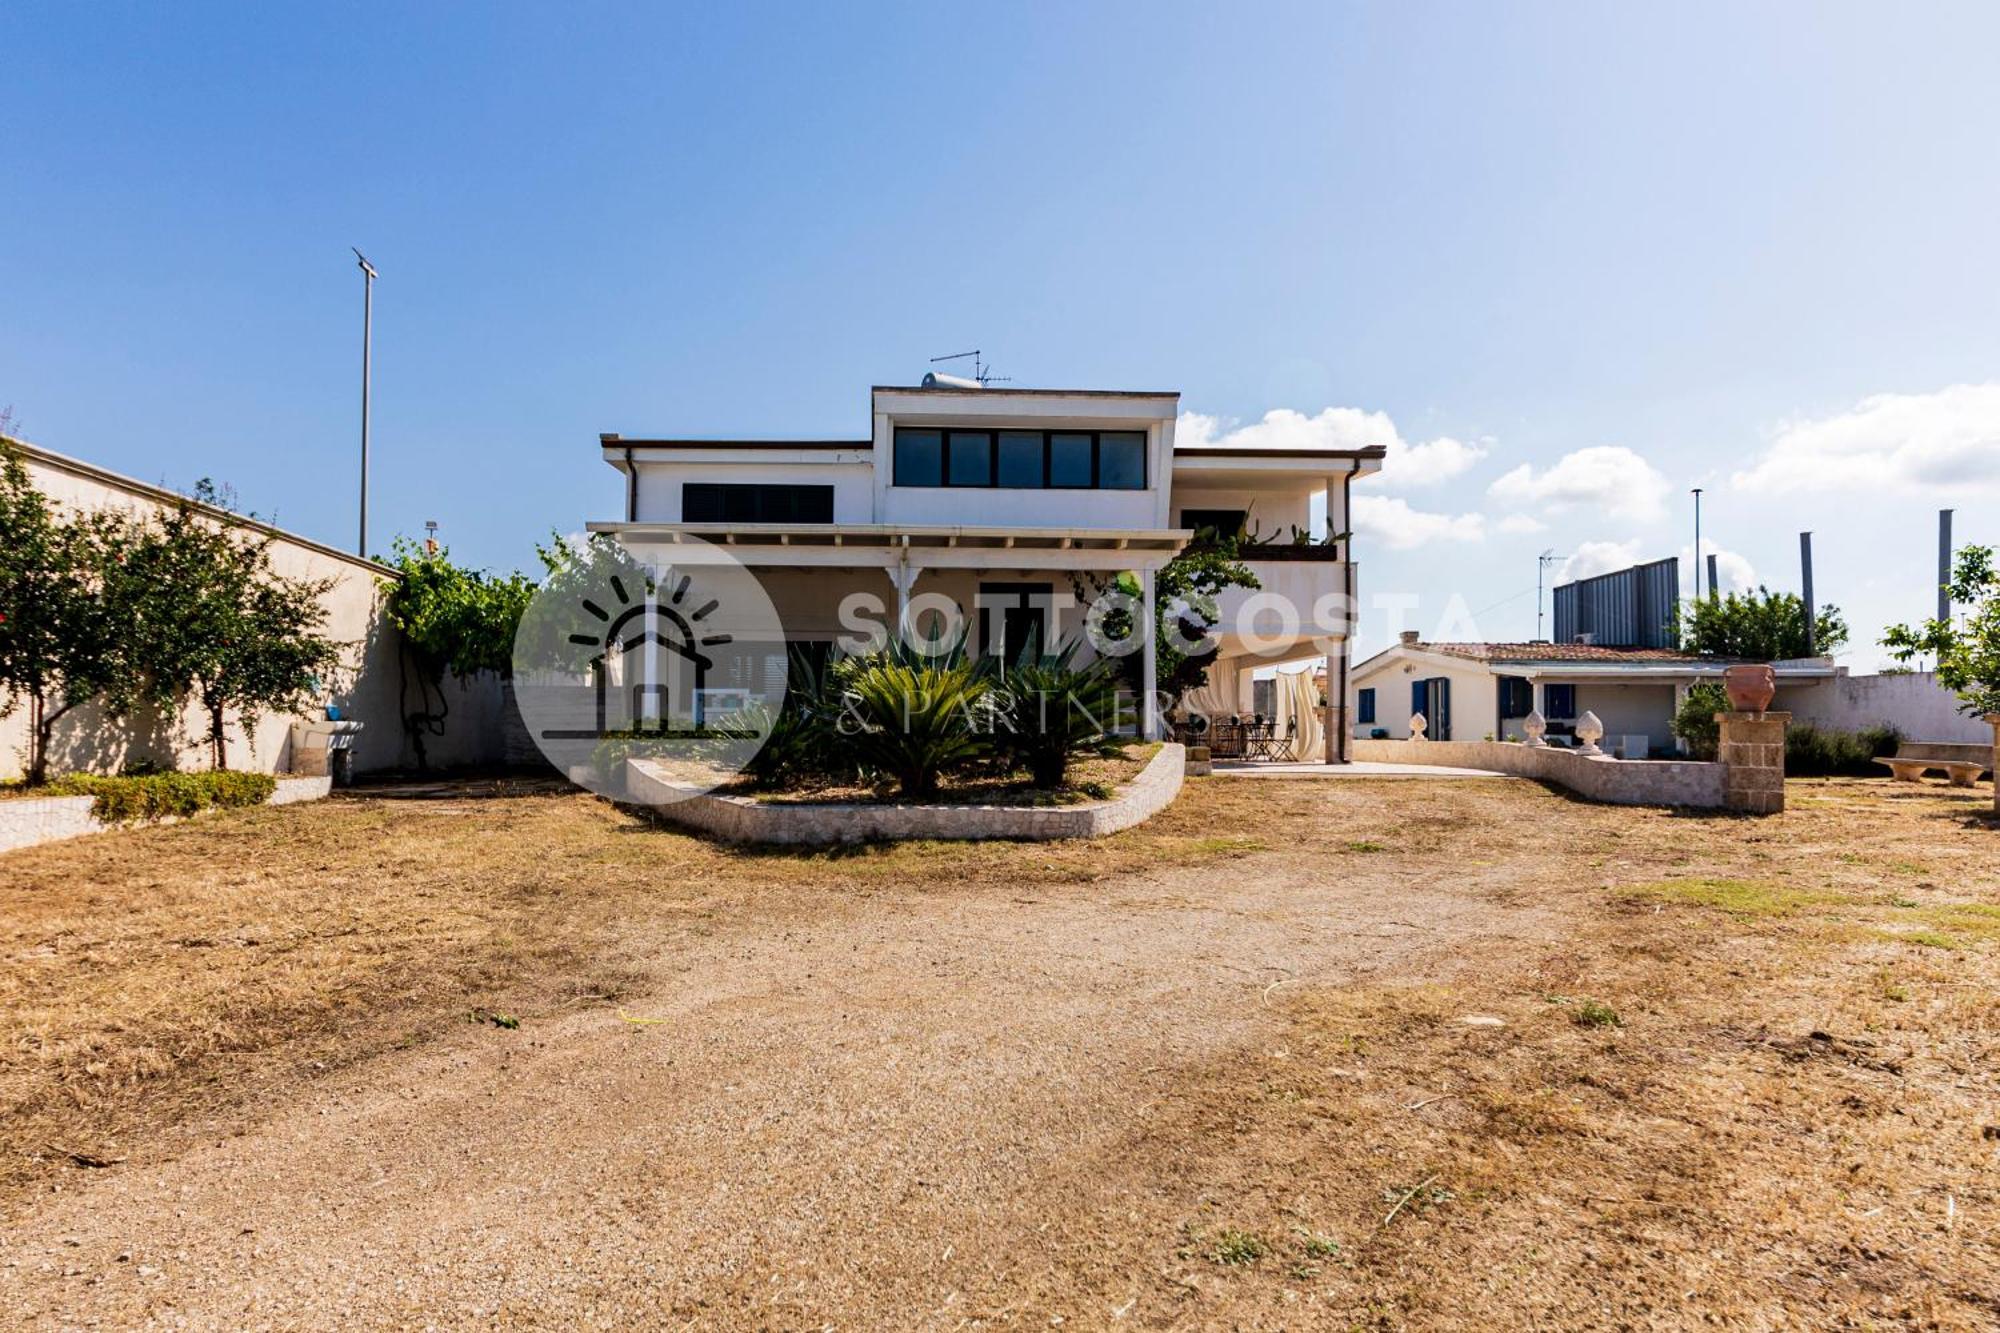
[[1432, 698]]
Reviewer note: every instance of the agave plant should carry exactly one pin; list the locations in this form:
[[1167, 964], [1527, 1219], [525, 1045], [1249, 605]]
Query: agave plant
[[1055, 711], [915, 717], [801, 741]]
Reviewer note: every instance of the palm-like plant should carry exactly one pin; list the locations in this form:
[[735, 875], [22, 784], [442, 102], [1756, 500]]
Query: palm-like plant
[[1054, 711], [912, 717]]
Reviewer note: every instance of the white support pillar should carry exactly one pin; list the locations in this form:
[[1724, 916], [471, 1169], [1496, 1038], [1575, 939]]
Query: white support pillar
[[1149, 711], [904, 575]]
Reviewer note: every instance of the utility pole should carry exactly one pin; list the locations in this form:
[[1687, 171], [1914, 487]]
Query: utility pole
[[1697, 543], [367, 338]]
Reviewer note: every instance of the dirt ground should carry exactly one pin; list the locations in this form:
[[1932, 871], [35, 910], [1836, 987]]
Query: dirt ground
[[1295, 1054]]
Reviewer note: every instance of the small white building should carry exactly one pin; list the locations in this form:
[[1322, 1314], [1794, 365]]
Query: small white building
[[1484, 691], [997, 500]]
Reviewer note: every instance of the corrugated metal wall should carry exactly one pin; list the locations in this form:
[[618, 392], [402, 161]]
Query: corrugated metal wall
[[1628, 608]]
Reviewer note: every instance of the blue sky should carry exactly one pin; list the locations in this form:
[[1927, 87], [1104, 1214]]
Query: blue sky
[[1743, 247]]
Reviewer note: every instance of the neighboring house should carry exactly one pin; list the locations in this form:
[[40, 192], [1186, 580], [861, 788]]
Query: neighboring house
[[1477, 691], [1001, 501]]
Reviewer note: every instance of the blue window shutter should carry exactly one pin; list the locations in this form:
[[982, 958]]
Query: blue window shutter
[[1420, 697], [1365, 704]]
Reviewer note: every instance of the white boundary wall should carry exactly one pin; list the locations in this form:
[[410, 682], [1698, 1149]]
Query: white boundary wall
[[369, 687], [744, 819], [1914, 702]]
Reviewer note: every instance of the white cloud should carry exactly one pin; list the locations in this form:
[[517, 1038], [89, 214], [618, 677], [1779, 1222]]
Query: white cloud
[[1391, 521], [1593, 558], [1948, 440], [1609, 479], [1736, 573], [1517, 524], [1424, 463]]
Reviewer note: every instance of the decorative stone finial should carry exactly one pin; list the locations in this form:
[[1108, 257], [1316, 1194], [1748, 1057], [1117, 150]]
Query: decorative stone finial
[[1589, 730], [1536, 726], [1417, 725]]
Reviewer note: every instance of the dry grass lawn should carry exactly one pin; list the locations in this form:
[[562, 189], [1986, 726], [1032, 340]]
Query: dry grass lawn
[[1296, 1054]]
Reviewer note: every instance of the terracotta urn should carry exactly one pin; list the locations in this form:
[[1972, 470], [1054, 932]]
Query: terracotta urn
[[1750, 687]]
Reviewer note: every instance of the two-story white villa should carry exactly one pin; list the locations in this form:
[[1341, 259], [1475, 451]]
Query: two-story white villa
[[994, 501]]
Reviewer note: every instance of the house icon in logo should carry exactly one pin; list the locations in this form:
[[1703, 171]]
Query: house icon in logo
[[650, 670]]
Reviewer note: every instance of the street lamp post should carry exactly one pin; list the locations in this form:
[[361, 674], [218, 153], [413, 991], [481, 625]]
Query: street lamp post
[[367, 337]]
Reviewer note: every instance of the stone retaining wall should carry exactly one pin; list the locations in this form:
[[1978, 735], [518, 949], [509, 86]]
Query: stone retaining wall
[[744, 819], [28, 821], [1601, 778]]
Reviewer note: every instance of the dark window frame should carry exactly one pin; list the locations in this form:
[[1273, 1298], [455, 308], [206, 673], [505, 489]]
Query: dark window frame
[[945, 433], [1364, 706], [803, 500], [1549, 710]]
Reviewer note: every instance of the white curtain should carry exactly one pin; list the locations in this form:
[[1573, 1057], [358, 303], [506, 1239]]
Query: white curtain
[[1300, 717], [1208, 700]]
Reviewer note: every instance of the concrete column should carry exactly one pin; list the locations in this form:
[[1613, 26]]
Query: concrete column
[[1149, 709], [1752, 751]]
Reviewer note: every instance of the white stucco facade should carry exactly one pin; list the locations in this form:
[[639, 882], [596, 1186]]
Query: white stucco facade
[[857, 527]]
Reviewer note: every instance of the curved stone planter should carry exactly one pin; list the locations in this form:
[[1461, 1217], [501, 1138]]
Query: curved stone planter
[[807, 823]]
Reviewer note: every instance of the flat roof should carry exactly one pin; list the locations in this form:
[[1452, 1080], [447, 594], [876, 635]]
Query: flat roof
[[1227, 451], [1017, 393], [614, 441]]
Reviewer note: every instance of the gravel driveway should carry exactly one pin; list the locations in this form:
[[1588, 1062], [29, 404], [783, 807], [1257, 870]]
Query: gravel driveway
[[841, 1116]]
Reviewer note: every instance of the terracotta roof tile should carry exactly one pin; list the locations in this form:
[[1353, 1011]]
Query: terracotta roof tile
[[1556, 652]]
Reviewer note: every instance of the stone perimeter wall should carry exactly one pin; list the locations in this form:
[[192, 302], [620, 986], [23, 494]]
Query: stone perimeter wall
[[1602, 778], [742, 819], [30, 820]]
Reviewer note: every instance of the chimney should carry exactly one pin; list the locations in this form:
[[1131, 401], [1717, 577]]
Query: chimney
[[1806, 590], [1410, 638], [1944, 564]]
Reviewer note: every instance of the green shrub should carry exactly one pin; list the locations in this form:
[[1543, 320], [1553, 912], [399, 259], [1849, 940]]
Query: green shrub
[[1694, 721], [912, 717], [1814, 752], [142, 799], [1051, 712]]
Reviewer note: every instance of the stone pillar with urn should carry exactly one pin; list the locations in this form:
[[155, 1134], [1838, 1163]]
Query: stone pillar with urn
[[1752, 742], [1994, 720]]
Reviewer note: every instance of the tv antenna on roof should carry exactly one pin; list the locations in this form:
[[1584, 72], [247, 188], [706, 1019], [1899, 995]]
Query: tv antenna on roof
[[1542, 563], [981, 373]]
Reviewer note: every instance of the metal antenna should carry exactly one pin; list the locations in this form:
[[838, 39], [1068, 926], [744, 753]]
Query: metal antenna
[[981, 373], [1542, 563]]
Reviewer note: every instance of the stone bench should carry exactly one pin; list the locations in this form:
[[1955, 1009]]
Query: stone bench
[[1961, 764]]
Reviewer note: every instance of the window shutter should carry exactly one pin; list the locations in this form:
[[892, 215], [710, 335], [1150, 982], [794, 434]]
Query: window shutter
[[1443, 722]]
